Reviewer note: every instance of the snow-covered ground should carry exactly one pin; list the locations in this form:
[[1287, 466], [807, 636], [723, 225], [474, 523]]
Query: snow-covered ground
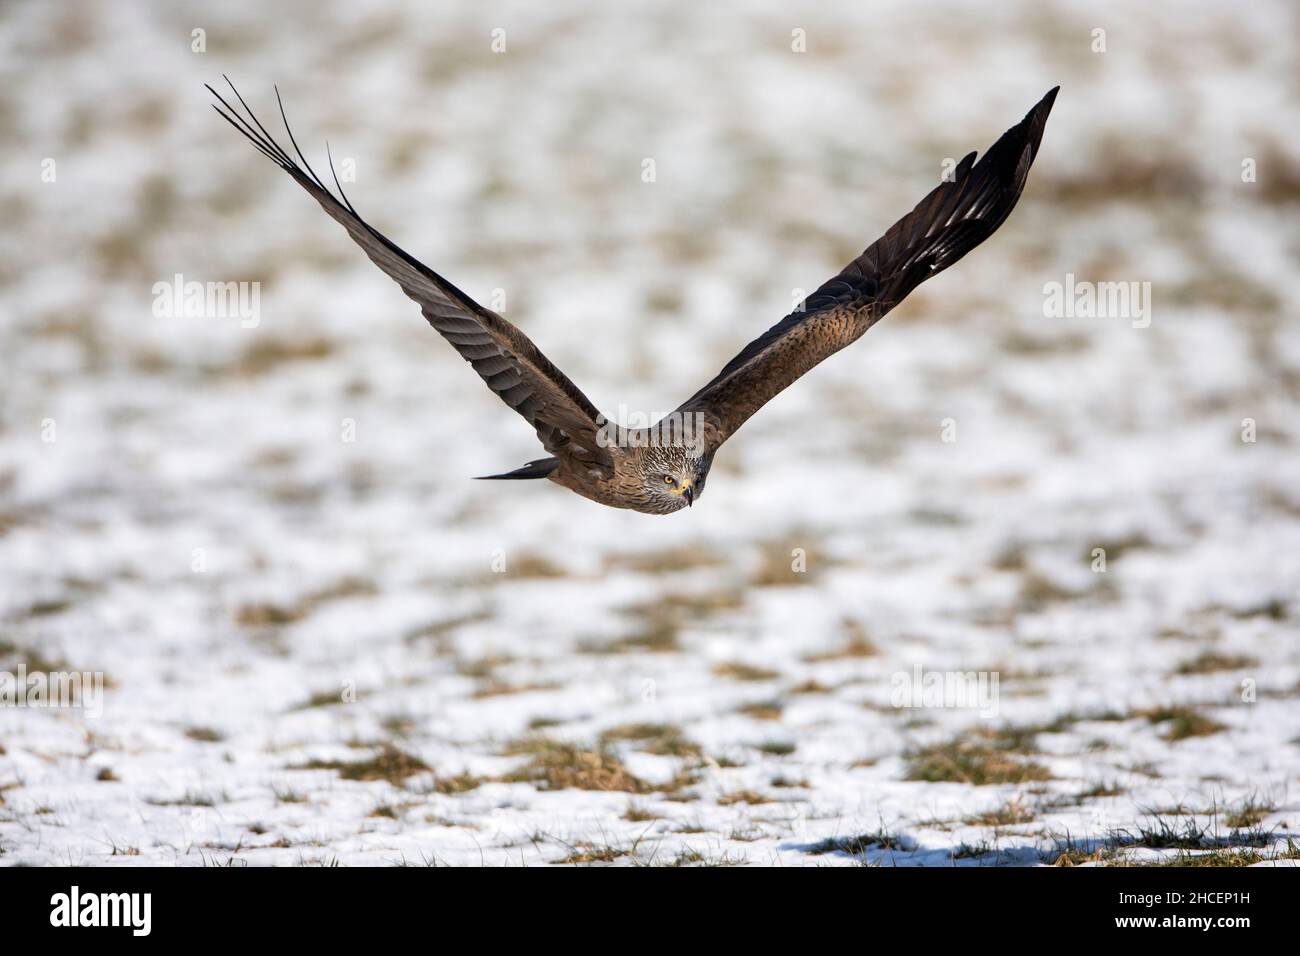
[[322, 643]]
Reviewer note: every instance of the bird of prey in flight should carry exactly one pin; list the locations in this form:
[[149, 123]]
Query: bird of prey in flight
[[662, 469]]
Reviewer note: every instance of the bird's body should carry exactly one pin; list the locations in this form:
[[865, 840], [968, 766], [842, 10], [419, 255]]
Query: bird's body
[[638, 479], [663, 468]]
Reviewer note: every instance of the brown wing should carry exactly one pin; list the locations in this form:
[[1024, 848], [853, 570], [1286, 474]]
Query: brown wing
[[950, 222], [512, 366]]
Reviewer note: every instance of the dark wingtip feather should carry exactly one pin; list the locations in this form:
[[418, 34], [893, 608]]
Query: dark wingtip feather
[[347, 202], [285, 119], [1028, 133], [1040, 110], [952, 220], [1044, 106], [247, 123]]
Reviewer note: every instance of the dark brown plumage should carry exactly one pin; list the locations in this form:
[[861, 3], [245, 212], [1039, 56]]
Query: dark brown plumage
[[664, 468]]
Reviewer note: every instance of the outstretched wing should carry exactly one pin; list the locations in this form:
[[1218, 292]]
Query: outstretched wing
[[950, 222], [512, 366]]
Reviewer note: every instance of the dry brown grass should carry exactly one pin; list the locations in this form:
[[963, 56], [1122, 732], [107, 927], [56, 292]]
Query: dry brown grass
[[205, 735], [1039, 592], [663, 739], [639, 814], [1250, 814], [592, 853], [981, 757], [456, 783], [267, 354], [762, 710], [738, 670], [1210, 662], [494, 687], [1183, 722], [262, 614], [752, 797], [810, 687], [777, 563], [389, 763], [667, 561], [1011, 813], [560, 766], [529, 564]]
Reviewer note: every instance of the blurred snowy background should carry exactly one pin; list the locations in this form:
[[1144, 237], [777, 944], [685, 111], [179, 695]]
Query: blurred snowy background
[[308, 653]]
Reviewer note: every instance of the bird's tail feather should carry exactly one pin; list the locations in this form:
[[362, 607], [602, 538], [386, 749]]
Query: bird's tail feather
[[534, 469]]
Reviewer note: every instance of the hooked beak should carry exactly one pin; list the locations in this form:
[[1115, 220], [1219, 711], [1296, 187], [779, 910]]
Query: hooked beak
[[689, 493]]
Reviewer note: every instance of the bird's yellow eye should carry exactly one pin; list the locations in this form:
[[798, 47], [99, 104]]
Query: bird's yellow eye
[[668, 480]]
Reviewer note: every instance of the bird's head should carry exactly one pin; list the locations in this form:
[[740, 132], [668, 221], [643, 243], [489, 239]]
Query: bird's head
[[673, 478]]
